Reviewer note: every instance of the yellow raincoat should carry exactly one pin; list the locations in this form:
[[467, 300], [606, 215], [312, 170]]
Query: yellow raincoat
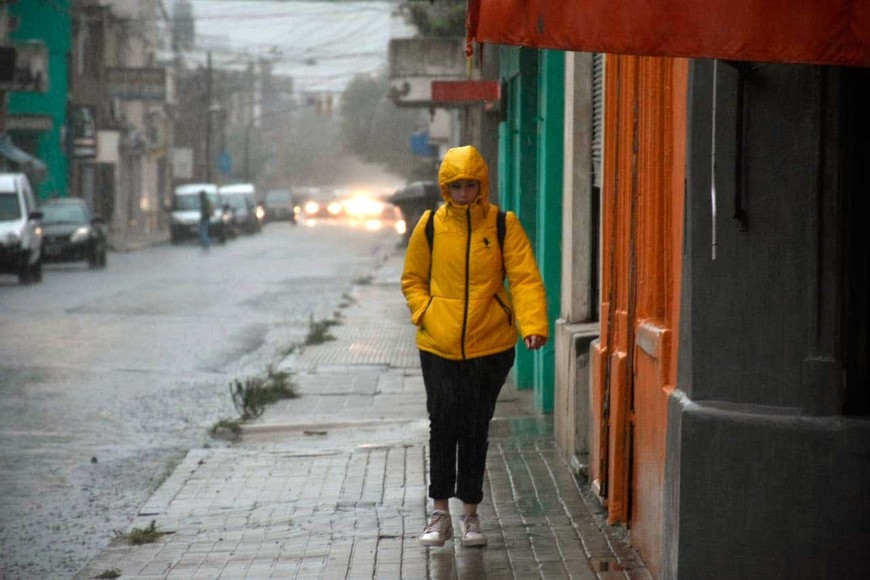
[[466, 312]]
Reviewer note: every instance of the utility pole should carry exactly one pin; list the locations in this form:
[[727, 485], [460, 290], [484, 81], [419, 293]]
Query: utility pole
[[208, 97]]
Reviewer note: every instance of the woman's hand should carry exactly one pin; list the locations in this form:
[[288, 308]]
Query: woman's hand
[[535, 341]]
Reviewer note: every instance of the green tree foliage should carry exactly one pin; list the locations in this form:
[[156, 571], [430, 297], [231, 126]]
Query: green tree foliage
[[299, 146], [183, 30], [438, 19], [374, 129]]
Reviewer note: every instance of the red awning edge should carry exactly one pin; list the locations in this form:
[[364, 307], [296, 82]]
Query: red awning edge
[[825, 32]]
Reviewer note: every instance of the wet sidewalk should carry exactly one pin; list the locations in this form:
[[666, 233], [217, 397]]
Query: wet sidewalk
[[333, 484]]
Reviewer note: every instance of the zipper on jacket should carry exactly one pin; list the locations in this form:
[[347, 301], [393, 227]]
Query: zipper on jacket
[[507, 311], [467, 275]]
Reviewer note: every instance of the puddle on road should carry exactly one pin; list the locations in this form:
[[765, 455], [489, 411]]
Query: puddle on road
[[606, 565]]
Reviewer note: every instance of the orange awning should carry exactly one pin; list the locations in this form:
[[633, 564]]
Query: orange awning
[[832, 32]]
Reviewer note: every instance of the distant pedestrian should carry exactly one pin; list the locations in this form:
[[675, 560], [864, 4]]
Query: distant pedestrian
[[467, 324], [205, 211]]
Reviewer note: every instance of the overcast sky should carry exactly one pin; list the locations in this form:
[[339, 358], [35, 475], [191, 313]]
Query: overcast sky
[[321, 44]]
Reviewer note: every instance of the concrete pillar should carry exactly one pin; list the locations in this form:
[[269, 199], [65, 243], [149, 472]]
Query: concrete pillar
[[575, 329]]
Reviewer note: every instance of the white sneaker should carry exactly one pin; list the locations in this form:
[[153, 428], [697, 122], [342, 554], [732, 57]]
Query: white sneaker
[[471, 534], [438, 530]]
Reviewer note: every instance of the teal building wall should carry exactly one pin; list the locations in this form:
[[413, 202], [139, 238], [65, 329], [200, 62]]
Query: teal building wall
[[518, 168], [551, 115], [530, 179], [49, 22]]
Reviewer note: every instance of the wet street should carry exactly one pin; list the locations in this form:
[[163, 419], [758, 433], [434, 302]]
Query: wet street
[[109, 377]]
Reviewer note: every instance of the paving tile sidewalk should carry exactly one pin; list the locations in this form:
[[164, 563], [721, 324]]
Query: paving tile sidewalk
[[333, 484]]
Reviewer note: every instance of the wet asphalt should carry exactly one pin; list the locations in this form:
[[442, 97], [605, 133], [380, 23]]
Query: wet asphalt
[[108, 378]]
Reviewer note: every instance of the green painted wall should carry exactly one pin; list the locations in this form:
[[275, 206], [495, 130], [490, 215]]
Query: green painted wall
[[518, 167], [551, 112], [530, 176], [49, 22]]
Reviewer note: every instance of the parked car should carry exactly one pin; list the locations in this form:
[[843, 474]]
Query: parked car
[[184, 213], [71, 234], [280, 206], [242, 198], [20, 231]]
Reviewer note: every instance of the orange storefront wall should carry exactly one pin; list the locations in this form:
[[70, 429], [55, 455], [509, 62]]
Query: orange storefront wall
[[634, 365]]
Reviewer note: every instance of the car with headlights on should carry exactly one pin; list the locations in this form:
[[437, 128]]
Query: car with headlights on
[[70, 233]]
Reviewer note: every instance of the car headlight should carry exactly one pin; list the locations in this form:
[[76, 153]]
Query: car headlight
[[312, 207], [81, 234]]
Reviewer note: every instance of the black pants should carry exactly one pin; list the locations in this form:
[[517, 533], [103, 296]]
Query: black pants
[[460, 399]]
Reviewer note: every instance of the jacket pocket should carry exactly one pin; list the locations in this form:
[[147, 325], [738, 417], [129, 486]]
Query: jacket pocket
[[421, 318], [506, 308]]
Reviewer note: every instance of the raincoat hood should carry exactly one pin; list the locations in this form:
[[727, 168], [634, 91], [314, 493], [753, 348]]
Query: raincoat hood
[[464, 163]]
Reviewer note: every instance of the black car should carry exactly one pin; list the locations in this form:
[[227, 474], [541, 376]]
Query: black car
[[279, 204], [70, 233]]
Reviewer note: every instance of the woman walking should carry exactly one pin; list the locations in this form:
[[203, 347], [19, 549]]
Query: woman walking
[[467, 322]]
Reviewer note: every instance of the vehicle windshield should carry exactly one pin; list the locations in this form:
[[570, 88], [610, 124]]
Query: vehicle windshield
[[236, 200], [191, 202], [64, 214], [9, 206]]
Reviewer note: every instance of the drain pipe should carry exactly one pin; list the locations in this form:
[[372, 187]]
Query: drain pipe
[[713, 165]]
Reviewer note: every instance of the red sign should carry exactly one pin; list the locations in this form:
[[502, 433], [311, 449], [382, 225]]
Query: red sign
[[465, 91]]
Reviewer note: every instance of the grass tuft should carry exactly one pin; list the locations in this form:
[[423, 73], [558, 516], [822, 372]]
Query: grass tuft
[[139, 536], [251, 395], [227, 429], [318, 331]]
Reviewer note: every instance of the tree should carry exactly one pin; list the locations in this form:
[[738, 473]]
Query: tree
[[374, 129], [445, 18], [183, 28]]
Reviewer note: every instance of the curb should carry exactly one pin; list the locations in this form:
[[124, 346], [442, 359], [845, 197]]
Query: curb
[[317, 426]]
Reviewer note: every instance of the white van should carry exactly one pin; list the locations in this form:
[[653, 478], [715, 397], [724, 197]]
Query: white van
[[184, 213], [20, 232], [242, 199]]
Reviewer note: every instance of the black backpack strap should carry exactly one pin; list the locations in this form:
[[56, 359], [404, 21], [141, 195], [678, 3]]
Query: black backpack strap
[[430, 227], [501, 231], [501, 227]]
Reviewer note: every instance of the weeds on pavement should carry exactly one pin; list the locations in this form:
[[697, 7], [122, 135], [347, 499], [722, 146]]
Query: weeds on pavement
[[139, 536], [318, 331], [251, 395], [227, 429]]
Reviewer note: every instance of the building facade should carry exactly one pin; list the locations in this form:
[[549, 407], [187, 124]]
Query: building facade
[[722, 414], [37, 121]]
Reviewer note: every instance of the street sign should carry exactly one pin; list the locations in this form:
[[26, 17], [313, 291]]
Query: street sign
[[182, 162], [465, 91], [136, 84], [225, 163], [84, 132]]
